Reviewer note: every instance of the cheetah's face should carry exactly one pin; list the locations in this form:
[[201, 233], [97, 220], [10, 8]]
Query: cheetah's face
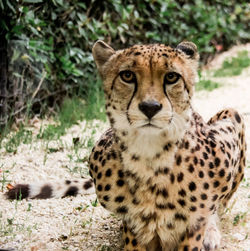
[[147, 87]]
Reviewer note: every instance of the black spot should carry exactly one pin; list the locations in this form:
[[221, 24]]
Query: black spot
[[191, 168], [198, 237], [171, 206], [172, 178], [207, 149], [182, 202], [179, 216], [137, 53], [135, 201], [123, 147], [164, 193], [106, 198], [180, 177], [67, 182], [178, 160], [96, 154], [229, 176], [114, 155], [108, 173], [182, 193], [192, 186], [103, 162], [107, 187], [197, 147], [193, 199], [224, 189], [119, 199], [101, 142], [205, 156], [237, 117], [206, 185], [222, 173], [195, 160], [217, 161], [192, 208], [72, 191], [211, 174], [99, 187], [215, 197], [161, 206], [122, 210], [216, 183], [127, 240], [195, 249], [45, 193], [202, 163], [203, 196], [167, 147], [170, 226], [134, 242], [226, 163], [120, 183], [99, 175], [165, 170], [212, 144], [120, 174], [135, 157], [211, 165], [201, 174], [88, 184], [212, 208]]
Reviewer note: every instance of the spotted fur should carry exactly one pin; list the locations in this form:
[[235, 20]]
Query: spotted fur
[[160, 167]]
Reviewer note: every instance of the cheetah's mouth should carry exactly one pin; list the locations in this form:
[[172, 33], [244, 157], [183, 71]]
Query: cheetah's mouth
[[150, 125]]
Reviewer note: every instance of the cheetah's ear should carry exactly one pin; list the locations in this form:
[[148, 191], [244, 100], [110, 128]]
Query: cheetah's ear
[[101, 53], [189, 48]]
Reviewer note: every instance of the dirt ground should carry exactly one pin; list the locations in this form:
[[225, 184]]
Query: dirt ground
[[77, 223]]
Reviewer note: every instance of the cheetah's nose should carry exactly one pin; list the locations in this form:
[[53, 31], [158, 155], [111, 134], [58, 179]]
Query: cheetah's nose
[[150, 108]]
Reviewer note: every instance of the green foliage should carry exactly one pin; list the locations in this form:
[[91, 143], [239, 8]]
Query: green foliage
[[75, 109], [234, 66], [206, 84], [69, 114], [50, 41], [23, 135]]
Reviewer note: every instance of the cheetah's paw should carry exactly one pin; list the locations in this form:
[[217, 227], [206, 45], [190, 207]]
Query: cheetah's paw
[[212, 239]]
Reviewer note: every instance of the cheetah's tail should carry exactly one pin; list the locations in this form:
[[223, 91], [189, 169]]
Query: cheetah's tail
[[47, 190]]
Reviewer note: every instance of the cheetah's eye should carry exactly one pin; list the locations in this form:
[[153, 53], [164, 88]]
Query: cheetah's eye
[[128, 76], [171, 78]]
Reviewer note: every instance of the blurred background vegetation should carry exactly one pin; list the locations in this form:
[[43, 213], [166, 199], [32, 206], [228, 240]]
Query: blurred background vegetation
[[45, 45]]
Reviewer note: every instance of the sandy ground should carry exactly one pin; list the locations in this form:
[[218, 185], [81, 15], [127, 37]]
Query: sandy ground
[[76, 223]]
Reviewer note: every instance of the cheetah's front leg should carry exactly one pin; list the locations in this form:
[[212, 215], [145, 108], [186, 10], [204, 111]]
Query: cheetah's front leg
[[193, 240], [131, 243]]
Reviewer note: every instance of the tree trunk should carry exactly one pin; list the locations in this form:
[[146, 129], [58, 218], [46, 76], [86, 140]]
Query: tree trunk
[[3, 78]]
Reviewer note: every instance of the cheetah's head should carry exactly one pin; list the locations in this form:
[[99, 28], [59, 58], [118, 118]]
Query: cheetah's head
[[148, 88]]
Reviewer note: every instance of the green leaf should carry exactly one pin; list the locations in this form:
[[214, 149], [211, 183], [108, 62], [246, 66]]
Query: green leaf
[[33, 1]]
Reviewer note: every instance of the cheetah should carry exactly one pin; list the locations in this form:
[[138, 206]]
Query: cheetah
[[160, 167]]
